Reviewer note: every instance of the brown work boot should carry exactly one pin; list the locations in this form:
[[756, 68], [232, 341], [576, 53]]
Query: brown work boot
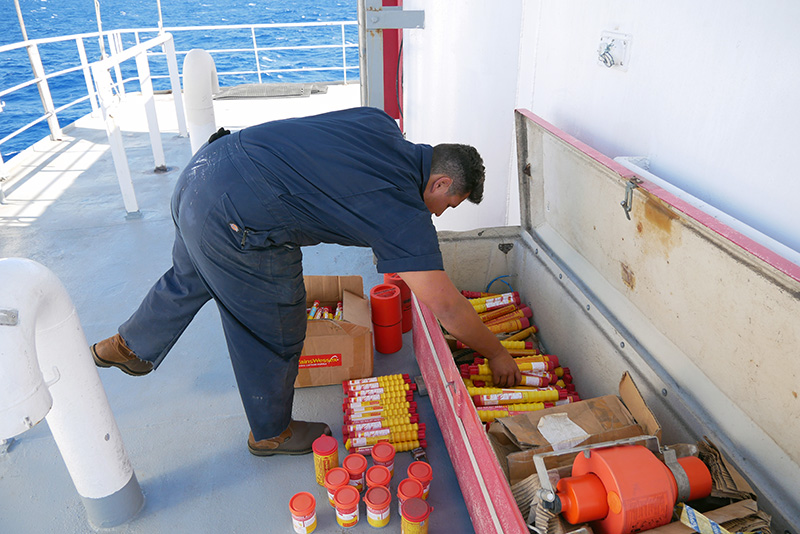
[[113, 352], [296, 439]]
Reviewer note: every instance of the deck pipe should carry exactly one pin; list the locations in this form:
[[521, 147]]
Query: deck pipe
[[200, 82], [47, 371]]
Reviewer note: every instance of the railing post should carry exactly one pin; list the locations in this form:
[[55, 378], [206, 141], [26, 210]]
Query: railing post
[[87, 75], [104, 90], [255, 51], [175, 83], [115, 46], [44, 92], [344, 56], [146, 87]]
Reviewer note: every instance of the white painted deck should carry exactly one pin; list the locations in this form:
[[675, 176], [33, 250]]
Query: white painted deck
[[183, 426]]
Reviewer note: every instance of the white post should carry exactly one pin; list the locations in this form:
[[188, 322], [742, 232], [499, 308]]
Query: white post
[[175, 83], [45, 361], [146, 85], [104, 84], [200, 83], [87, 75]]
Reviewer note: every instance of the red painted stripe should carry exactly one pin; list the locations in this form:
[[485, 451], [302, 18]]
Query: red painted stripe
[[758, 250], [500, 498]]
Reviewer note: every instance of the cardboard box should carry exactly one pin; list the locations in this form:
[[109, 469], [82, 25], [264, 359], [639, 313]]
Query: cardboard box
[[335, 351], [596, 420]]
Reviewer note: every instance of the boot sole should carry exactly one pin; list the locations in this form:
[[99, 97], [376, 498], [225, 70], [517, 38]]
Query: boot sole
[[276, 452], [100, 362]]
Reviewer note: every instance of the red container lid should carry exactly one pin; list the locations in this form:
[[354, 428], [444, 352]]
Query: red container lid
[[383, 451], [346, 497], [325, 445], [416, 510], [420, 470], [355, 463], [377, 497], [409, 488], [378, 475], [338, 476], [302, 504]]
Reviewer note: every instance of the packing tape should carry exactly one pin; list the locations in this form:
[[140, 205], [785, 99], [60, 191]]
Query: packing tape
[[700, 523]]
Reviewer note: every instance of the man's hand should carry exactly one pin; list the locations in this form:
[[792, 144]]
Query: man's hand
[[505, 371], [437, 292]]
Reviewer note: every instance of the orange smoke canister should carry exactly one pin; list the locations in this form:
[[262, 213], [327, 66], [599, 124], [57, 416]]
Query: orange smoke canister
[[304, 514], [409, 488], [626, 489], [378, 500], [378, 475], [383, 454], [422, 472], [346, 502], [335, 479], [387, 318], [405, 297], [326, 456], [356, 466], [414, 513]]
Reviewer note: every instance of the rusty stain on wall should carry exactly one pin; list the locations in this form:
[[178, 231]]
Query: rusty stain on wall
[[628, 278]]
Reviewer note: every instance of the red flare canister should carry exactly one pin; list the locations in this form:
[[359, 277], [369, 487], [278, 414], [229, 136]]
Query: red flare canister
[[387, 318], [405, 297]]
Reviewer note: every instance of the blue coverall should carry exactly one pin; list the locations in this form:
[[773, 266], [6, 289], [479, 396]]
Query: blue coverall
[[244, 206]]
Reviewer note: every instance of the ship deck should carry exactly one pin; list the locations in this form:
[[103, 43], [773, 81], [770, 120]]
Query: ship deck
[[183, 426]]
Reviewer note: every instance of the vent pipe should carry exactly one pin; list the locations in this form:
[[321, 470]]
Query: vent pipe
[[200, 83], [46, 370]]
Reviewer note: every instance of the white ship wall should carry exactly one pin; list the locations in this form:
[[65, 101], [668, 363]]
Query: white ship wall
[[709, 96]]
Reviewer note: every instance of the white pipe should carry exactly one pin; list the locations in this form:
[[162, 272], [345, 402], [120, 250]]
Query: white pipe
[[200, 82], [44, 361]]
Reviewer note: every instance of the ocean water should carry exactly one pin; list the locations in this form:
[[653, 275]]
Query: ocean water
[[50, 18]]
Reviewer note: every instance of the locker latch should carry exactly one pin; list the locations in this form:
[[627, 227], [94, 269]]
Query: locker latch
[[627, 203]]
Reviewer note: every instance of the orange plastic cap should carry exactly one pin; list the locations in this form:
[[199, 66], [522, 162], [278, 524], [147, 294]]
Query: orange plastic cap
[[378, 475], [383, 451], [409, 489], [416, 510], [325, 445], [346, 497], [421, 471], [302, 504], [583, 498], [378, 497], [355, 463], [699, 477], [338, 476]]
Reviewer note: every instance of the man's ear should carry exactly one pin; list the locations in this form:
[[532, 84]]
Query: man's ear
[[442, 181]]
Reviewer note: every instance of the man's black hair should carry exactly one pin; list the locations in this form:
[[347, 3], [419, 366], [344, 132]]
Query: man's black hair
[[464, 165]]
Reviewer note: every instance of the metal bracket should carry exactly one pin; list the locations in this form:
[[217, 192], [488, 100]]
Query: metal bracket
[[627, 203], [681, 478], [394, 18], [9, 317]]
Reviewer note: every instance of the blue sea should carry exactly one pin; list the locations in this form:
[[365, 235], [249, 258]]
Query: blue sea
[[50, 18]]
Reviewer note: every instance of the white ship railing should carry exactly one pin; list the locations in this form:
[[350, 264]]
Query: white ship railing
[[116, 40]]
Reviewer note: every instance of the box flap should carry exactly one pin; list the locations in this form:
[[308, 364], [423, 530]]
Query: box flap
[[633, 400], [356, 309], [329, 290]]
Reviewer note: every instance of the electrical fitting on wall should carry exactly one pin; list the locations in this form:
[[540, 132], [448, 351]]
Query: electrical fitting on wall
[[614, 50]]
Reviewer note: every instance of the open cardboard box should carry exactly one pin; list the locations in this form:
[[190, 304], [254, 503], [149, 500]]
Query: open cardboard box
[[335, 351], [608, 418]]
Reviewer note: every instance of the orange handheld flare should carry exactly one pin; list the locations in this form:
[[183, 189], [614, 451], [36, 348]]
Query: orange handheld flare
[[483, 304], [401, 446], [476, 294], [519, 313], [509, 326], [499, 312]]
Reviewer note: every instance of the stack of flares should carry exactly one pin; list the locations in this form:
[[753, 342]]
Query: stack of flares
[[544, 382], [381, 409]]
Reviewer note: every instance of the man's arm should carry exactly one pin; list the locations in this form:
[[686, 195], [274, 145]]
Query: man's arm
[[437, 292]]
